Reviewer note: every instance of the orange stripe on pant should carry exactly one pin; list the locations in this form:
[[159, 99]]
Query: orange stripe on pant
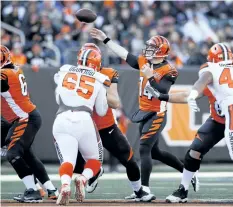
[[230, 109], [18, 132], [130, 154]]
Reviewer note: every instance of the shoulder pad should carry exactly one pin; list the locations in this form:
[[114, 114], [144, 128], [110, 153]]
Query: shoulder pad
[[205, 65]]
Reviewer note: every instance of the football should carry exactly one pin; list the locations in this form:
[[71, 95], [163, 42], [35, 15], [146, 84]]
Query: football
[[86, 15]]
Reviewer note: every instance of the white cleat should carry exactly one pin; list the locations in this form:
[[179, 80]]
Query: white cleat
[[131, 197], [64, 196], [80, 183], [93, 182]]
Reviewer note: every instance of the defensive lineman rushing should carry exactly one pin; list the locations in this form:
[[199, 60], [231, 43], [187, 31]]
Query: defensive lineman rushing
[[21, 123], [216, 82], [78, 92], [152, 112], [112, 138]]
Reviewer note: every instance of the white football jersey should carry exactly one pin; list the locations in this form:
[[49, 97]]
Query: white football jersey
[[222, 85], [77, 86]]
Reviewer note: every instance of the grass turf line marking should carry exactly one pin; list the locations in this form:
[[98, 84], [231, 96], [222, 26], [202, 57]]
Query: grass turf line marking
[[117, 176]]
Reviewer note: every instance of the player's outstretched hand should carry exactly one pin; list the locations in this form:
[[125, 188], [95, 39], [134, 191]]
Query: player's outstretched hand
[[98, 34], [193, 105], [155, 93]]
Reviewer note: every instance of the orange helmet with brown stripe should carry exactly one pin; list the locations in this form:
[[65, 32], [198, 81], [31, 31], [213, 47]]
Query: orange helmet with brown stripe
[[91, 46], [90, 58], [5, 56], [156, 47], [219, 52]]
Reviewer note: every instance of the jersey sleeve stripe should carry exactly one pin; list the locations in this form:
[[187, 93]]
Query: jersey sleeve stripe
[[205, 65]]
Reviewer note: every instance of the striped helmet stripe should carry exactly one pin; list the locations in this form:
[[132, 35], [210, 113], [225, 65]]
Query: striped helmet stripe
[[224, 51], [85, 56]]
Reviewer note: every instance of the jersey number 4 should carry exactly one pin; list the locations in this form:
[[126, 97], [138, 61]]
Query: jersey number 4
[[85, 88], [226, 78], [143, 91]]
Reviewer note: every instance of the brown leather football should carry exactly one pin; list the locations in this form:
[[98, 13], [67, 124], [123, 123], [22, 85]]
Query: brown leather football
[[86, 15]]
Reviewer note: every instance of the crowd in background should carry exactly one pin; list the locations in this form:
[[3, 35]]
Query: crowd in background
[[50, 26]]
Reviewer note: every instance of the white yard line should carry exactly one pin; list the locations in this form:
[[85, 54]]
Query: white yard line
[[117, 176]]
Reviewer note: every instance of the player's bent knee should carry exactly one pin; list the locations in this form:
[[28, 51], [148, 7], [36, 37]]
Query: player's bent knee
[[13, 154], [190, 163], [94, 165], [195, 154]]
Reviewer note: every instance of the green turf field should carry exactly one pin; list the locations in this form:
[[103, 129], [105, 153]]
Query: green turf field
[[216, 184]]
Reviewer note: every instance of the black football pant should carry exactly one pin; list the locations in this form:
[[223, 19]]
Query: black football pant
[[151, 126], [117, 144], [19, 139], [208, 135]]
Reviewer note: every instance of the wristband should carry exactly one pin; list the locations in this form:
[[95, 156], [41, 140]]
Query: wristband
[[163, 97], [106, 40]]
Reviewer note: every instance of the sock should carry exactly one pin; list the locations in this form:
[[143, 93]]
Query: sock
[[29, 182], [186, 178], [136, 185], [38, 187], [65, 179], [88, 173], [49, 186], [91, 168], [66, 172]]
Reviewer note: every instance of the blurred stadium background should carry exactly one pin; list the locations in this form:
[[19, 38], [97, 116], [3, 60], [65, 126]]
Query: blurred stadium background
[[43, 35]]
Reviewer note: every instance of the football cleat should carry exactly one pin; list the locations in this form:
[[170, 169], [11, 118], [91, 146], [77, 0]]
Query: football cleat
[[195, 183], [178, 196], [144, 196], [80, 183], [93, 182], [133, 195], [64, 196], [29, 196], [53, 194]]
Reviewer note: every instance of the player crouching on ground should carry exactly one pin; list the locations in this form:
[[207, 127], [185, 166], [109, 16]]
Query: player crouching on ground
[[79, 90], [216, 82]]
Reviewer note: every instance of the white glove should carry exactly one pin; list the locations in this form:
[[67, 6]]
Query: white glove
[[191, 100], [154, 93], [102, 79]]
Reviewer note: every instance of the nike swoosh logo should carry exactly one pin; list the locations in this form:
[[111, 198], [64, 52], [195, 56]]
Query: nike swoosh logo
[[110, 132]]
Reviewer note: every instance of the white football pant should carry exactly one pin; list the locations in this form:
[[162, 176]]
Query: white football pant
[[75, 131]]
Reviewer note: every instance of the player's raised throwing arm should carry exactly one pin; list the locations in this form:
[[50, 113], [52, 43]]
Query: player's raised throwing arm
[[116, 48]]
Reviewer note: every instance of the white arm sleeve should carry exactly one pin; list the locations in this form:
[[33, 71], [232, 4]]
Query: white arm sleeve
[[101, 104], [120, 51]]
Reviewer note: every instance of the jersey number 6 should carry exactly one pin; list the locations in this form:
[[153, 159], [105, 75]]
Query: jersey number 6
[[85, 89]]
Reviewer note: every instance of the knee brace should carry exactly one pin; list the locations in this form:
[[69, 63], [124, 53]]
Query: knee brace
[[192, 160]]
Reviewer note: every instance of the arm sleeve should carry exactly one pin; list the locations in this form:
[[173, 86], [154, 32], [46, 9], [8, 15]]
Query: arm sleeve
[[115, 77], [132, 60], [4, 83], [101, 104], [164, 85]]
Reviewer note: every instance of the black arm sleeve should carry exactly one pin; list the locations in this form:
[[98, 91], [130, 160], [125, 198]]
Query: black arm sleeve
[[4, 83], [132, 60], [164, 85]]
